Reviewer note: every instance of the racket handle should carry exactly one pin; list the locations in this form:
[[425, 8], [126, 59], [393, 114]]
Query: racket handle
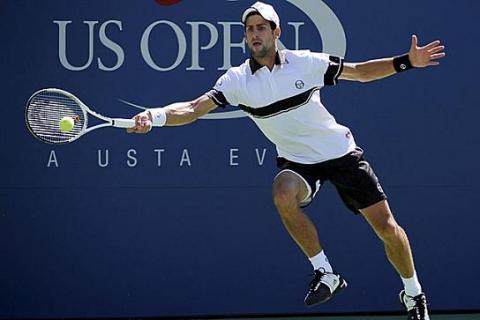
[[123, 123]]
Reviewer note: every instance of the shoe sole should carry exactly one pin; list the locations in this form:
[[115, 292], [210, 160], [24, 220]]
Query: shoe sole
[[343, 284]]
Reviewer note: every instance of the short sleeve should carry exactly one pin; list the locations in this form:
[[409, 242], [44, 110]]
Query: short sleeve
[[328, 66], [224, 91]]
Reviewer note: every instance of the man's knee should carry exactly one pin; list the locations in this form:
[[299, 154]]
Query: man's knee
[[390, 231], [285, 194], [382, 221]]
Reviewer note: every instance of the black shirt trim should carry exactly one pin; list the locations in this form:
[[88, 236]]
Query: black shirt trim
[[217, 97], [255, 66], [281, 106], [334, 71]]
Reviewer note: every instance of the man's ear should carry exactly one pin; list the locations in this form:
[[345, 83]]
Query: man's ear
[[277, 32]]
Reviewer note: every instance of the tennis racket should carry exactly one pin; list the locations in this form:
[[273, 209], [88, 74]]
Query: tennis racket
[[47, 107]]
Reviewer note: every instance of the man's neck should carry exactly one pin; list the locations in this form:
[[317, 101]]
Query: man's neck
[[268, 60]]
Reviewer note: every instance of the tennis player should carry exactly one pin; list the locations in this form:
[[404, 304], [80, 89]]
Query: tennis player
[[279, 90]]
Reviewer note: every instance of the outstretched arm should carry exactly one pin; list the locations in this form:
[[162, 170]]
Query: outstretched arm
[[417, 57], [175, 114]]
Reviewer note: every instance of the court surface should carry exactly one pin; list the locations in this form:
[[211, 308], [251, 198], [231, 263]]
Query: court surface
[[475, 316]]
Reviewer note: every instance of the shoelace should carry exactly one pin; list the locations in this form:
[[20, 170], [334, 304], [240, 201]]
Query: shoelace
[[420, 306], [317, 277], [420, 302]]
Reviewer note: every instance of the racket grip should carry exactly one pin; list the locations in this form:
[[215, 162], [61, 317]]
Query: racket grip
[[123, 123]]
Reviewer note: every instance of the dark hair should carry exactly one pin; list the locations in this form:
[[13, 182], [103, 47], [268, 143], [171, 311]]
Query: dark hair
[[272, 24]]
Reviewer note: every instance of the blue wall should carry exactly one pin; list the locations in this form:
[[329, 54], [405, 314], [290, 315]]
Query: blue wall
[[202, 236]]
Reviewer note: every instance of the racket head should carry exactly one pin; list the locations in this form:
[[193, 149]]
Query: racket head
[[44, 110]]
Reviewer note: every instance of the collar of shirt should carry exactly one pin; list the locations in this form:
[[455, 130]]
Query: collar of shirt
[[279, 60]]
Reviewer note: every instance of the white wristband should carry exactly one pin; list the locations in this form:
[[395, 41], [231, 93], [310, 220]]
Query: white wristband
[[159, 117]]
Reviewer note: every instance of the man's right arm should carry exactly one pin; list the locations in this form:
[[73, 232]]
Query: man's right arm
[[176, 114]]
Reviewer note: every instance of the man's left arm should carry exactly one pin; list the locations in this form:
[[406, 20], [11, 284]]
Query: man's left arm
[[417, 57]]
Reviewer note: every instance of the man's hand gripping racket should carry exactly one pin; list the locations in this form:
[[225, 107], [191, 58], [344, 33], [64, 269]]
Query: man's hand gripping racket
[[143, 123]]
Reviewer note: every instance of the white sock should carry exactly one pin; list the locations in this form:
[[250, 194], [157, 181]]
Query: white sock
[[412, 286], [321, 261]]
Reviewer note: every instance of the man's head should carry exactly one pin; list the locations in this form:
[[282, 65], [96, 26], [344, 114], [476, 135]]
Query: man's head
[[262, 29], [263, 9]]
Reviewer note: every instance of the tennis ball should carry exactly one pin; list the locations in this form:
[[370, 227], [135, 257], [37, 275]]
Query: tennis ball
[[66, 124]]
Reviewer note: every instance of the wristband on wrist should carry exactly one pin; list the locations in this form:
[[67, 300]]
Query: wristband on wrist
[[402, 63], [159, 117]]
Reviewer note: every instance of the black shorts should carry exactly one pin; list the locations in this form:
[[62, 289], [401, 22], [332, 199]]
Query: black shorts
[[351, 174]]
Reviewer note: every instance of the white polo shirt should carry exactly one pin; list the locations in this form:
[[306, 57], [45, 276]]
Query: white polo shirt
[[285, 104]]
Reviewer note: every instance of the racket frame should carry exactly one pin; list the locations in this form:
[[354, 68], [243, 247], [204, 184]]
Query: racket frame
[[109, 122]]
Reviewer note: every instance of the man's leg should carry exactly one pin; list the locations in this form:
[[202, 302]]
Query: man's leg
[[397, 246], [289, 190], [399, 253]]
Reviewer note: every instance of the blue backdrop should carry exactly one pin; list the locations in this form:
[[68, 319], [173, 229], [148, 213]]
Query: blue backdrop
[[180, 222]]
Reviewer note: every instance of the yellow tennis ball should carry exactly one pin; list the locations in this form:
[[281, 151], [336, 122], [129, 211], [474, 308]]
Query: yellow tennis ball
[[66, 124]]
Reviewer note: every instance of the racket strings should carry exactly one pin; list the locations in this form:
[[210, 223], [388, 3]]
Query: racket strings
[[44, 112]]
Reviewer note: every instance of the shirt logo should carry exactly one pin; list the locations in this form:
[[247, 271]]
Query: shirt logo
[[299, 84]]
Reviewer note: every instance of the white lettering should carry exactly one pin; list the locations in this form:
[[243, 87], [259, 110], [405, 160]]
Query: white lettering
[[52, 159], [296, 27], [62, 44], [111, 45], [204, 37], [262, 158], [196, 42], [159, 156], [132, 161], [105, 163], [233, 155], [145, 46], [228, 44], [185, 158]]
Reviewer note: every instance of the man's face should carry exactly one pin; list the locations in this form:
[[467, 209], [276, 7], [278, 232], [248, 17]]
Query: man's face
[[259, 36]]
